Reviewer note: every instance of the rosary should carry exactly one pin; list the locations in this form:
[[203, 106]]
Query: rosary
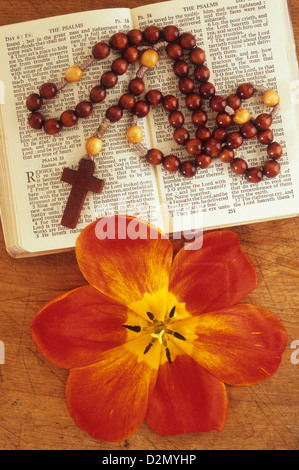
[[205, 146]]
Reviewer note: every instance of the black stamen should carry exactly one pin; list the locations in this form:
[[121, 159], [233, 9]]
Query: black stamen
[[137, 329], [168, 355], [150, 316], [179, 336], [172, 312], [148, 347]]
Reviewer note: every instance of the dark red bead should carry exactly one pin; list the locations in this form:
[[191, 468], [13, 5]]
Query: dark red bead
[[52, 126], [234, 101], [193, 146], [154, 97], [207, 90], [154, 156], [218, 103], [68, 118], [187, 41], [151, 34], [202, 73], [34, 102], [176, 119], [188, 169], [248, 130], [97, 94], [199, 117], [203, 161], [36, 120], [193, 101], [181, 136], [265, 137], [203, 133], [101, 50], [141, 108], [245, 91], [226, 155], [109, 79], [186, 85], [135, 37], [180, 68], [48, 91], [174, 51], [220, 133], [263, 122], [127, 101], [170, 33], [271, 169], [136, 86], [223, 120], [84, 109], [131, 54], [171, 163], [239, 166], [119, 66], [114, 113], [170, 103], [197, 56], [118, 41], [275, 151], [254, 175], [212, 147], [234, 140]]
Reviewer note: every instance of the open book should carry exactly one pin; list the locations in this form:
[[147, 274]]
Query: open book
[[242, 44]]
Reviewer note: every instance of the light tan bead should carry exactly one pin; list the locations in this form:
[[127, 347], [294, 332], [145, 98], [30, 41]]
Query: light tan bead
[[242, 116], [149, 58], [73, 73], [93, 146], [134, 134], [271, 98]]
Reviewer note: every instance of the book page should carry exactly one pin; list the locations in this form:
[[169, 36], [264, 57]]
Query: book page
[[40, 51], [242, 44]]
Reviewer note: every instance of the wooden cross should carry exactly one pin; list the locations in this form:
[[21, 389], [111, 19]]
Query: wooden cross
[[82, 181]]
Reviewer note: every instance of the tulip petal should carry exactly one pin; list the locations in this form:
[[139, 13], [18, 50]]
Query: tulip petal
[[75, 328], [218, 275], [125, 269], [186, 399], [240, 345], [109, 399]]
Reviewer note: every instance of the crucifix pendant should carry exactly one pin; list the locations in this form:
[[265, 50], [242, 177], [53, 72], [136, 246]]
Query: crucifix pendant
[[82, 181]]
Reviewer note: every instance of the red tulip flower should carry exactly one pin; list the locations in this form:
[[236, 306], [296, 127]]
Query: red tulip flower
[[155, 338]]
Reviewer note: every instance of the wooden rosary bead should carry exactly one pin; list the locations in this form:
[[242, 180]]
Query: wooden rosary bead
[[135, 37], [197, 56], [254, 175], [170, 33], [100, 51], [170, 103], [154, 156], [52, 126], [174, 51], [245, 91], [223, 120], [271, 98], [226, 155], [154, 97], [207, 90], [93, 146], [218, 103], [203, 161], [141, 108], [68, 118], [242, 116], [73, 74], [265, 137], [84, 109], [239, 166], [234, 101], [274, 151], [212, 147], [134, 134], [202, 73], [186, 85], [220, 133], [180, 68], [48, 90], [97, 94], [203, 133], [188, 169], [36, 120], [119, 66], [199, 117], [149, 58], [181, 136], [193, 101], [176, 119], [271, 169], [114, 113], [34, 102], [234, 140], [171, 163], [193, 146], [118, 41], [109, 79], [248, 130], [263, 122], [131, 54], [187, 41], [136, 86], [127, 101], [151, 34]]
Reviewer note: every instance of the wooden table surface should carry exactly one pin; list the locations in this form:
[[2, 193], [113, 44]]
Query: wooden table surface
[[33, 414]]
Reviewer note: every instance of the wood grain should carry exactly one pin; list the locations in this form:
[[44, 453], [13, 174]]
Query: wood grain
[[33, 414]]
